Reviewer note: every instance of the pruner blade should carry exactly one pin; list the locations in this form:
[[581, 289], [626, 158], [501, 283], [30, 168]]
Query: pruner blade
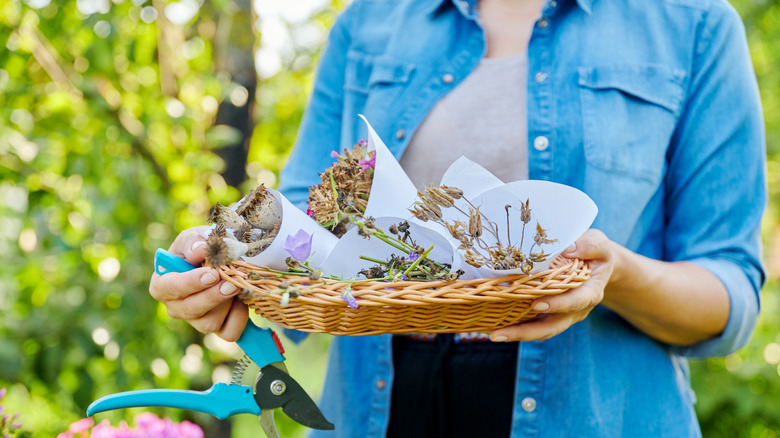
[[276, 389]]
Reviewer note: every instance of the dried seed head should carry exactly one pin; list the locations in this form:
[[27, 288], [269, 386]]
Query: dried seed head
[[216, 251], [253, 276], [403, 227], [393, 229], [226, 217], [315, 275], [243, 233]]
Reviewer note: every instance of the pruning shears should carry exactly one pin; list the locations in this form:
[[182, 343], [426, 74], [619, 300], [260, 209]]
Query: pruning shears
[[273, 387]]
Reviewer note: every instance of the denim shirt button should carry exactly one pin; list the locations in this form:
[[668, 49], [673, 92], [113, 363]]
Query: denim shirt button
[[400, 134], [528, 404], [543, 23], [541, 143], [540, 76], [381, 384], [448, 78]]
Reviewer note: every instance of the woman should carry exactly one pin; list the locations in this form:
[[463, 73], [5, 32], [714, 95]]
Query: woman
[[650, 107]]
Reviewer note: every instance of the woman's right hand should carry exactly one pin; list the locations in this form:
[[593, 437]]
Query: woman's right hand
[[199, 296]]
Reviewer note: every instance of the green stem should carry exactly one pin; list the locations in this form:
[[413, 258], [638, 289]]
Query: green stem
[[417, 262]]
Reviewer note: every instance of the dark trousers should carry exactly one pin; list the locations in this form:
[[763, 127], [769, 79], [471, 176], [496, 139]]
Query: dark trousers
[[446, 389]]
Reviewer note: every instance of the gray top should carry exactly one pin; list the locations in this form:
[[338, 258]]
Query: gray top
[[484, 119]]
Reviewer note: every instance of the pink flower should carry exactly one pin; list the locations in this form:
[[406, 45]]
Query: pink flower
[[82, 425], [334, 154], [190, 430], [370, 163]]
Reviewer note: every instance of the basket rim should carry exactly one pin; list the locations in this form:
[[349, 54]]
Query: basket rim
[[562, 275]]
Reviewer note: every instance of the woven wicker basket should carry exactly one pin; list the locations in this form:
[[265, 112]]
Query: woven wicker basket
[[403, 306]]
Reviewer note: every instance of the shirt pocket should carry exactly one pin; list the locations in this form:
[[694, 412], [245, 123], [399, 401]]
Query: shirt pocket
[[629, 114], [366, 73]]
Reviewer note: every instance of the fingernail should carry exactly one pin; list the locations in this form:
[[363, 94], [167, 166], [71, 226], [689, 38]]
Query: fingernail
[[541, 306], [208, 279], [571, 248], [197, 244], [227, 288], [500, 339]]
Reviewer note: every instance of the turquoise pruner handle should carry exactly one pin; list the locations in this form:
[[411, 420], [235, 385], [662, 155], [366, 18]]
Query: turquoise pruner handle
[[221, 400], [260, 344], [165, 262]]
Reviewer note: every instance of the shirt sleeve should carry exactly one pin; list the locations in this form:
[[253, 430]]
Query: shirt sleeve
[[716, 182]]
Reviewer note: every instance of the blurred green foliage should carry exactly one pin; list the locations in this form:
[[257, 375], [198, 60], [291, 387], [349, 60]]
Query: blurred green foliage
[[108, 149]]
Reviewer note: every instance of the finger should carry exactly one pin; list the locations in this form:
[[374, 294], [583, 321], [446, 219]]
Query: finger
[[190, 245], [593, 244], [539, 329], [199, 304], [585, 296], [213, 320], [235, 322], [179, 285]]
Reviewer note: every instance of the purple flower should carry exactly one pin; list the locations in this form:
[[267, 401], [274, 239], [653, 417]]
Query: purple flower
[[413, 256], [404, 277], [370, 163], [363, 143], [309, 211], [334, 154], [299, 245], [349, 299]]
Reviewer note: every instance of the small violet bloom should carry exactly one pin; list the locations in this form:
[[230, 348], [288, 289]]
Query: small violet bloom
[[299, 245], [309, 212], [413, 256], [349, 299], [368, 164]]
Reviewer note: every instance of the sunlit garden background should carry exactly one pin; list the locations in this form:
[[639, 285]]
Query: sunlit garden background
[[123, 121]]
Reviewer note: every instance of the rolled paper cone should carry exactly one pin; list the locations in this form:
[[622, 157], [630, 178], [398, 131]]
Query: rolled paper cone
[[293, 220]]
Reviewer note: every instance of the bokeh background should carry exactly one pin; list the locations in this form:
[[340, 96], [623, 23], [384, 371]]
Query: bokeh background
[[123, 121]]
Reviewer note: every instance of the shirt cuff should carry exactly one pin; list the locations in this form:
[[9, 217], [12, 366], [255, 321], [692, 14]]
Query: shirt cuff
[[744, 305]]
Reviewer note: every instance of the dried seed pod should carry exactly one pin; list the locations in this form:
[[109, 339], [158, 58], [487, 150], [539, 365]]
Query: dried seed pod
[[236, 249], [258, 246], [226, 217], [453, 192], [525, 212], [261, 209], [439, 196], [475, 222], [475, 259]]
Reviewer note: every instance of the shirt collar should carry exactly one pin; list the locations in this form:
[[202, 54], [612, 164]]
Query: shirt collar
[[436, 5]]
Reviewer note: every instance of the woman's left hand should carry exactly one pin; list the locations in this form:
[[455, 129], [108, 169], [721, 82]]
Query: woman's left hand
[[557, 313]]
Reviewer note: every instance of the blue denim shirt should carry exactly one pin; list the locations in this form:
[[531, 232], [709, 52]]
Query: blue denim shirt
[[649, 106]]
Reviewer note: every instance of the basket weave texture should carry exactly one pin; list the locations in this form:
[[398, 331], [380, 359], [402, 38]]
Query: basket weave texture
[[403, 306]]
